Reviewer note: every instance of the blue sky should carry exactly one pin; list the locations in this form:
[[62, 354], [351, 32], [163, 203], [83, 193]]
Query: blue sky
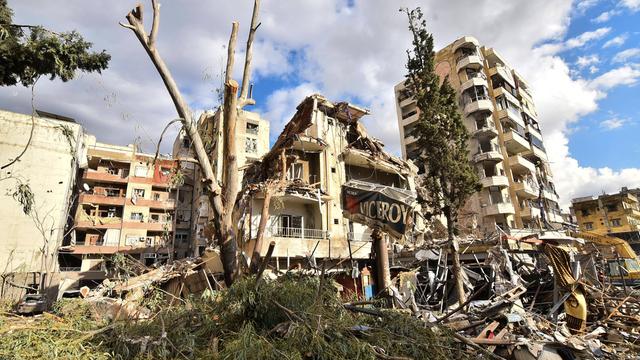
[[609, 136], [585, 91]]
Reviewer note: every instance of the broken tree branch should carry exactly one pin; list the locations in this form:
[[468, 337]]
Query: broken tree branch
[[231, 50], [155, 158], [246, 74], [154, 24]]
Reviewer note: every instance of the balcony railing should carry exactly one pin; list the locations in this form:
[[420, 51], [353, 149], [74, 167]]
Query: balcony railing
[[69, 268], [298, 233]]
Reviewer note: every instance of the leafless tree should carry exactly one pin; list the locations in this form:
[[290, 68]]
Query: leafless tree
[[222, 197]]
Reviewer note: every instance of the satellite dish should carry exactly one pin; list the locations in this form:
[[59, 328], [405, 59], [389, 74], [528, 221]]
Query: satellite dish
[[86, 187]]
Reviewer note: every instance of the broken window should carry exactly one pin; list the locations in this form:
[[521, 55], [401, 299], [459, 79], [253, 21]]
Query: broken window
[[616, 222], [588, 226], [295, 171], [138, 192], [165, 171], [612, 207], [251, 145], [252, 128]]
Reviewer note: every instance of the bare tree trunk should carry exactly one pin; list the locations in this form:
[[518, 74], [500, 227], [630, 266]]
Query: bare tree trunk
[[455, 252], [229, 247], [264, 216], [246, 76]]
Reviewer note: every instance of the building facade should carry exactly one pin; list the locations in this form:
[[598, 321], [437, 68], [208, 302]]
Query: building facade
[[506, 145], [610, 214], [252, 142], [327, 147], [54, 150], [127, 204]]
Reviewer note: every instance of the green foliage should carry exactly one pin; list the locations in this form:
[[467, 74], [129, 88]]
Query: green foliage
[[289, 318], [28, 52], [449, 178]]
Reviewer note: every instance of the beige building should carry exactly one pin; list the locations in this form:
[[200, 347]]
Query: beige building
[[252, 143], [127, 204], [29, 242], [328, 147], [506, 145]]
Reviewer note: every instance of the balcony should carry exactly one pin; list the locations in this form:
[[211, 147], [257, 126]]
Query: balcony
[[484, 130], [499, 181], [409, 117], [501, 91], [150, 225], [533, 130], [493, 155], [536, 154], [504, 72], [529, 212], [520, 165], [554, 216], [102, 199], [473, 61], [168, 204], [515, 143], [526, 189], [548, 193], [513, 114], [468, 41], [298, 233], [479, 104], [502, 208], [478, 80], [120, 178], [86, 221]]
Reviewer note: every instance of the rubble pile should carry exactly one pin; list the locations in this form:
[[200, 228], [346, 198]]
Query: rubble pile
[[535, 297], [293, 317]]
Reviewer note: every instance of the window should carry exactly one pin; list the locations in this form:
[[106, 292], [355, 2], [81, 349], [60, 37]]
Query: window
[[616, 222], [154, 217], [156, 196], [181, 238], [612, 207], [186, 142], [295, 171], [133, 239], [138, 193], [586, 212], [141, 171], [336, 221], [251, 145], [111, 212], [137, 216], [165, 171], [252, 128], [588, 226]]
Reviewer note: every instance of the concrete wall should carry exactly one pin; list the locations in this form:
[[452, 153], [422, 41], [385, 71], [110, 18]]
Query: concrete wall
[[49, 167]]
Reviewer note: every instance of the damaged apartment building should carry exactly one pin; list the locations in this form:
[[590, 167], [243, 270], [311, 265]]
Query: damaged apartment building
[[325, 146], [506, 144], [128, 202]]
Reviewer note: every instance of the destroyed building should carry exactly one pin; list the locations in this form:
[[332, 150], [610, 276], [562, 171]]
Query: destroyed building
[[506, 144], [326, 148], [252, 133], [127, 203]]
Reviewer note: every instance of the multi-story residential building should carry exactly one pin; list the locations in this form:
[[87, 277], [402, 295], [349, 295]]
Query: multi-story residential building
[[329, 148], [610, 214], [252, 142], [53, 152], [506, 144], [127, 204]]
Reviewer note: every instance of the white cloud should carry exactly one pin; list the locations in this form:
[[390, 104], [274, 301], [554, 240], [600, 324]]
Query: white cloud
[[625, 75], [613, 123], [616, 41], [625, 55], [584, 5], [633, 5], [593, 69], [584, 61], [606, 16], [586, 37]]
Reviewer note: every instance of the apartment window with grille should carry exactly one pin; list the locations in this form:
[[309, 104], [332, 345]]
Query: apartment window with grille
[[588, 226], [137, 216], [138, 192], [616, 222], [251, 145]]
